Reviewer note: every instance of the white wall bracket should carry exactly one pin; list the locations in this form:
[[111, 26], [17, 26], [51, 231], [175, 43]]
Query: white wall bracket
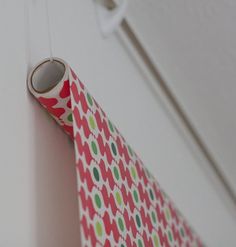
[[110, 19]]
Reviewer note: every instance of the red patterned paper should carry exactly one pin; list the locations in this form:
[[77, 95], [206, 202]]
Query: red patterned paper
[[120, 203]]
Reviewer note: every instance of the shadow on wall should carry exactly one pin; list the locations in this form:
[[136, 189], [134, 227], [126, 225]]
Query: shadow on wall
[[56, 205]]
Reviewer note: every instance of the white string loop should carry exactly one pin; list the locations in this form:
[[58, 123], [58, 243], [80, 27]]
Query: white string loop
[[28, 47], [49, 30]]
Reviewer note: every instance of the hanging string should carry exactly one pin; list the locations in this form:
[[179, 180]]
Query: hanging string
[[27, 35], [49, 30], [28, 47]]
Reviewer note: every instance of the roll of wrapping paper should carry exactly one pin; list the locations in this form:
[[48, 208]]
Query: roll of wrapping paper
[[120, 202]]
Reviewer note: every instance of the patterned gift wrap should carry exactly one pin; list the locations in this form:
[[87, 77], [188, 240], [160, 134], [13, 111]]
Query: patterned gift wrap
[[120, 202]]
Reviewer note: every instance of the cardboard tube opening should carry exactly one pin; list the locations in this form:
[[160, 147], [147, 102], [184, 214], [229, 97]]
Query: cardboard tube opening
[[47, 75]]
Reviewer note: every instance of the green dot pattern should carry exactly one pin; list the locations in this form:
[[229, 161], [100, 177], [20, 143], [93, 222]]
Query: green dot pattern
[[138, 221], [140, 244], [98, 201], [130, 150], [98, 228], [154, 217], [116, 173], [167, 214], [110, 126], [135, 194], [94, 147], [133, 172], [121, 224], [155, 240], [118, 198], [69, 117], [92, 123], [113, 147], [170, 236], [151, 194], [89, 98], [96, 174]]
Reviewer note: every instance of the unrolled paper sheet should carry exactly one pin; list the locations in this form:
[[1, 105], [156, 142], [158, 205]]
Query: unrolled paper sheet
[[120, 202]]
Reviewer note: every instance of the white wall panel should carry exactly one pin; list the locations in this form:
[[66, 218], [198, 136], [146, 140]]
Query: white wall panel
[[193, 43]]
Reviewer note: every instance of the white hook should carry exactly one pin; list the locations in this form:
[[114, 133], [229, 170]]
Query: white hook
[[109, 20]]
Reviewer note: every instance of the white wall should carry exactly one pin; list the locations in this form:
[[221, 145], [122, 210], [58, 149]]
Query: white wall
[[193, 43], [38, 204]]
